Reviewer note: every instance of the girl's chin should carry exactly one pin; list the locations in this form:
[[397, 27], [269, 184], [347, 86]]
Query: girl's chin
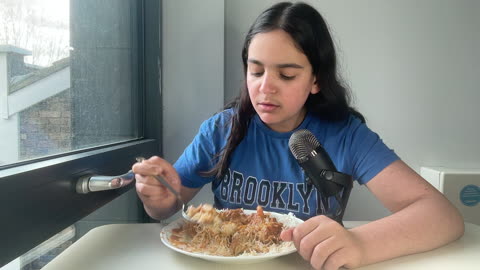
[[268, 119]]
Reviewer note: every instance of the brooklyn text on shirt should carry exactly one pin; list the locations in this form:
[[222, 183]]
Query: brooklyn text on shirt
[[292, 196]]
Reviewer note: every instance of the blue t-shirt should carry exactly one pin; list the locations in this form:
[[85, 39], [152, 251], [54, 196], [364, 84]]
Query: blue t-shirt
[[264, 172]]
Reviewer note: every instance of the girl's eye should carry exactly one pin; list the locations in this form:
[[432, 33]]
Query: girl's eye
[[256, 74], [287, 78]]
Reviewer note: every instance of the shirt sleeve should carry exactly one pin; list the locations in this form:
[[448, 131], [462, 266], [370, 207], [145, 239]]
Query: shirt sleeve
[[369, 153], [200, 153]]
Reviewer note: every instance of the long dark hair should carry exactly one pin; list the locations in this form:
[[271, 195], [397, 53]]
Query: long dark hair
[[311, 35]]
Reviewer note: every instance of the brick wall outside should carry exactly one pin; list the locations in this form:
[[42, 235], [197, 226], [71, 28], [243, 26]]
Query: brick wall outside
[[46, 127]]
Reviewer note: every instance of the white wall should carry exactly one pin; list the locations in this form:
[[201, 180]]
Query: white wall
[[3, 85], [192, 72], [414, 68], [10, 141], [8, 125]]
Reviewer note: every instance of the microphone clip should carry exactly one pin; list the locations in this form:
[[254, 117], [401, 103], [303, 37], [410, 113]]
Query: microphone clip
[[338, 178]]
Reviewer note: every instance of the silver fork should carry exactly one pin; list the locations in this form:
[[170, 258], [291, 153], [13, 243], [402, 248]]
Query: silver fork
[[169, 187]]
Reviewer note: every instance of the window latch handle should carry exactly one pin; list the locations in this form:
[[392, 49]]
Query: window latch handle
[[87, 184]]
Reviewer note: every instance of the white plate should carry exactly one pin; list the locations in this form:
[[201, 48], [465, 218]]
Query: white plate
[[291, 220]]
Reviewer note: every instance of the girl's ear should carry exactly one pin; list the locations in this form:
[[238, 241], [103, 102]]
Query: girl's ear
[[315, 88]]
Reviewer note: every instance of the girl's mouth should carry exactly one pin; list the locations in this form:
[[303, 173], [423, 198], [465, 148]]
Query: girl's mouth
[[267, 107]]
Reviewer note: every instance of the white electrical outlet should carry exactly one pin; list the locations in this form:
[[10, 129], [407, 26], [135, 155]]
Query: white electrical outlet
[[460, 186]]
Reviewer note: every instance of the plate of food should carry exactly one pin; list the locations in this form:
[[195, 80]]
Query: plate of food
[[231, 235]]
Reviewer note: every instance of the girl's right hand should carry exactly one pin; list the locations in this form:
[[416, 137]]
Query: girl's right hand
[[156, 198]]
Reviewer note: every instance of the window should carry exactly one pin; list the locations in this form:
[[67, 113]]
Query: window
[[79, 95], [70, 76]]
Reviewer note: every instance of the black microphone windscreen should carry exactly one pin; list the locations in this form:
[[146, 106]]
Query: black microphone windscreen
[[302, 143], [305, 147]]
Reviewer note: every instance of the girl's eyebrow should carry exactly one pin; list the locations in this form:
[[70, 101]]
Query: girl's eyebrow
[[286, 65]]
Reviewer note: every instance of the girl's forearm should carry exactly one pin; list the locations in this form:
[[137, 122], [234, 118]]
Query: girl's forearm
[[424, 225]]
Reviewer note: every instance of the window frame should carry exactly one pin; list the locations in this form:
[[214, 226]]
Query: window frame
[[38, 197]]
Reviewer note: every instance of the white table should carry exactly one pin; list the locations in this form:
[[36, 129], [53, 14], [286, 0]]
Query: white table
[[138, 246]]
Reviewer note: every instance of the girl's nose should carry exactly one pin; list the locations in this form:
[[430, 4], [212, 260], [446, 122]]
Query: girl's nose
[[268, 84]]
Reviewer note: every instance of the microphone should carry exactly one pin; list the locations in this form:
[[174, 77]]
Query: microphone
[[315, 162]]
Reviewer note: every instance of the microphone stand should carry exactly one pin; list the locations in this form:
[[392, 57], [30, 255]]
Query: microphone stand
[[344, 183]]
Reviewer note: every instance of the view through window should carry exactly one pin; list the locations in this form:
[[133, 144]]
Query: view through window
[[67, 76], [68, 81]]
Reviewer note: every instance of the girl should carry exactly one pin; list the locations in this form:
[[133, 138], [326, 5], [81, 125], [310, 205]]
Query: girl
[[291, 83]]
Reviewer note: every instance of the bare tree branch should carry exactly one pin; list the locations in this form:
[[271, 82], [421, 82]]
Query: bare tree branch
[[24, 24]]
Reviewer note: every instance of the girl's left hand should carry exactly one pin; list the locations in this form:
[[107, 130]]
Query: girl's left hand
[[325, 244]]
